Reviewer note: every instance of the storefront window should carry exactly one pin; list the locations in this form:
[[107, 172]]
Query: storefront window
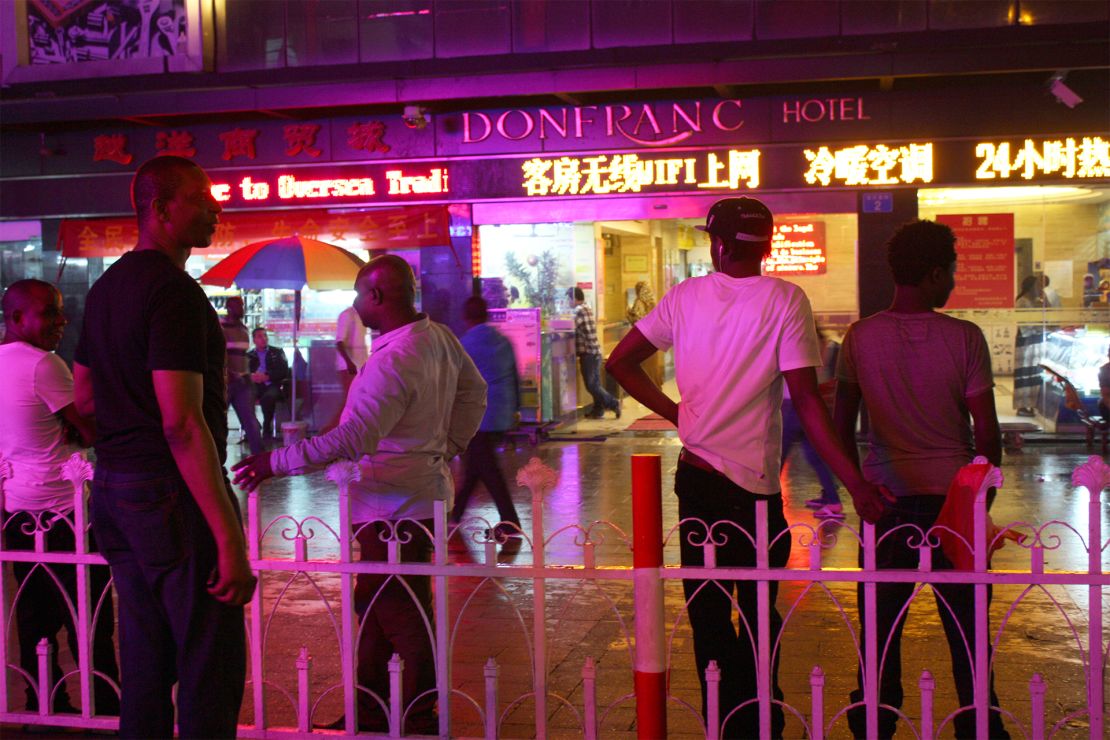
[[1034, 274]]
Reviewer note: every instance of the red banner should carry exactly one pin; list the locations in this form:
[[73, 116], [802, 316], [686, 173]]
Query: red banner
[[386, 228], [984, 260]]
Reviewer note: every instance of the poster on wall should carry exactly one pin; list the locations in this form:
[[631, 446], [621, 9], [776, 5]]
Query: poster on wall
[[68, 31], [984, 260], [797, 248]]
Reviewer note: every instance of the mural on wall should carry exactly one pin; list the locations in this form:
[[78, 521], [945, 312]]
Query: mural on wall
[[67, 31]]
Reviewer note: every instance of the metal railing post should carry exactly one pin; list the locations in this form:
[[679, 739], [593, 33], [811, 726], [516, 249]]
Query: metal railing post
[[647, 562]]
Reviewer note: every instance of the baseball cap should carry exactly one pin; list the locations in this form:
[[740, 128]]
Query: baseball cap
[[745, 219]]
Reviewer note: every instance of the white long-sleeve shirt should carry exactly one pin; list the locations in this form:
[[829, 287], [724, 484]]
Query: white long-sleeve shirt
[[413, 406]]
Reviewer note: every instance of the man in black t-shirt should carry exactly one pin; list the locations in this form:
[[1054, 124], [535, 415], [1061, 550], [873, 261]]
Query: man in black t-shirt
[[150, 364]]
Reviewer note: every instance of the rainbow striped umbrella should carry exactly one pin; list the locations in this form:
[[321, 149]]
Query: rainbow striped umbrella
[[286, 263]]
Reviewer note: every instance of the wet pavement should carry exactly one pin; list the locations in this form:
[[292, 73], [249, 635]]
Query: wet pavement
[[593, 619]]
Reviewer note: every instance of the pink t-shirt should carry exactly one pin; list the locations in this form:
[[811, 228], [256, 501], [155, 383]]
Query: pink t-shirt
[[37, 384], [916, 372]]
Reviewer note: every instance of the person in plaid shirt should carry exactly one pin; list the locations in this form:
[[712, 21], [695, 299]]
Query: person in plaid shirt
[[589, 356]]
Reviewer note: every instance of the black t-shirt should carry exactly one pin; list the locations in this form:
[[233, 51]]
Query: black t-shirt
[[145, 314]]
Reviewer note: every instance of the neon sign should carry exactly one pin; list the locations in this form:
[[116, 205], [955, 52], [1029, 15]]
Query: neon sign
[[1069, 158], [290, 188], [797, 249], [628, 173], [401, 184], [867, 165]]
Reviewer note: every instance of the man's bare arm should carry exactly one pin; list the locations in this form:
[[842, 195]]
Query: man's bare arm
[[85, 425], [83, 390], [625, 364], [179, 394], [341, 348], [845, 415], [988, 435], [811, 410]]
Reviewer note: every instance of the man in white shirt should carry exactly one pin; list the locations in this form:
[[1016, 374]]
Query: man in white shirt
[[759, 331], [41, 431], [413, 406]]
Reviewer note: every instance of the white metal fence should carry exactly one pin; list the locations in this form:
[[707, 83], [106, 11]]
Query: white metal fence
[[567, 668]]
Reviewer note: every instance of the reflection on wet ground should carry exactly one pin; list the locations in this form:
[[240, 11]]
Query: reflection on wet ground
[[493, 618]]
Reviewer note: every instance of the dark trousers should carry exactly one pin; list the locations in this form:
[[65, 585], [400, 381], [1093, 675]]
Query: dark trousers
[[42, 610], [480, 465], [591, 378], [162, 555], [955, 604], [240, 396], [393, 622], [713, 498], [268, 397]]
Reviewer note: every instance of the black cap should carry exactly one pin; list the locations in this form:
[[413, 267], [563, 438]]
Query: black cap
[[745, 219]]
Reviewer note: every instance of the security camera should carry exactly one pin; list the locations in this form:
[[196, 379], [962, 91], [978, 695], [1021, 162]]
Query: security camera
[[1062, 92], [414, 116]]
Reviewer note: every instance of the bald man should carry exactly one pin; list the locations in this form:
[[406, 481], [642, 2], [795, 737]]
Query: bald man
[[413, 406], [41, 431], [150, 362]]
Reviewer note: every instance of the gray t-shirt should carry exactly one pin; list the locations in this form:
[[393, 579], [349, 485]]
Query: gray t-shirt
[[916, 372]]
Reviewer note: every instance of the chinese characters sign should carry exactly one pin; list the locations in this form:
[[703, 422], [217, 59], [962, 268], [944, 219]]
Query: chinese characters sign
[[797, 248], [985, 260], [870, 165], [1083, 158], [384, 228], [628, 173]]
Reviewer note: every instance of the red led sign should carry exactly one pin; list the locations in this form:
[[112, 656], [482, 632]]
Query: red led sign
[[797, 248]]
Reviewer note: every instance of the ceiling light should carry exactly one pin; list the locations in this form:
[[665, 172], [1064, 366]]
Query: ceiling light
[[1003, 194]]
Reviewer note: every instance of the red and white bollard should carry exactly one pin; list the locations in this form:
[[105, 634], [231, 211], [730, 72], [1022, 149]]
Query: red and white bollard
[[647, 563]]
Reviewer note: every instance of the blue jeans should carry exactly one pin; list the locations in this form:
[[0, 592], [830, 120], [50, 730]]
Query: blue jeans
[[792, 433], [240, 395], [162, 554], [591, 377]]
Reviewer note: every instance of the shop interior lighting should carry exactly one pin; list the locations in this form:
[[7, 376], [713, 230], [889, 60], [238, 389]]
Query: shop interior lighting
[[1017, 194]]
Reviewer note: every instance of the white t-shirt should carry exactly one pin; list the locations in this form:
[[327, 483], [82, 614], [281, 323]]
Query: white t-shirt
[[37, 384], [733, 338], [350, 330]]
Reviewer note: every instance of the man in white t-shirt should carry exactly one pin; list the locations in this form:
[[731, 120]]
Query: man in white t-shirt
[[351, 349], [41, 431], [759, 331], [351, 352]]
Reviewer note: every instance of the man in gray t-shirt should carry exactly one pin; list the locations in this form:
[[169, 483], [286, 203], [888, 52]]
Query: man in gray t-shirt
[[920, 375]]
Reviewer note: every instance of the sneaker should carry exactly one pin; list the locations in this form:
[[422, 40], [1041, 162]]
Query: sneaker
[[504, 531], [830, 511]]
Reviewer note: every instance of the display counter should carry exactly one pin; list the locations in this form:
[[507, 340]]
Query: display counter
[[1076, 353]]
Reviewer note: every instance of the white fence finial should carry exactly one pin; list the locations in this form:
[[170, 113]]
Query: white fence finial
[[1094, 475], [537, 477]]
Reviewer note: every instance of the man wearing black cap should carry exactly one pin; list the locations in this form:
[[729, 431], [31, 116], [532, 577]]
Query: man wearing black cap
[[760, 330]]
